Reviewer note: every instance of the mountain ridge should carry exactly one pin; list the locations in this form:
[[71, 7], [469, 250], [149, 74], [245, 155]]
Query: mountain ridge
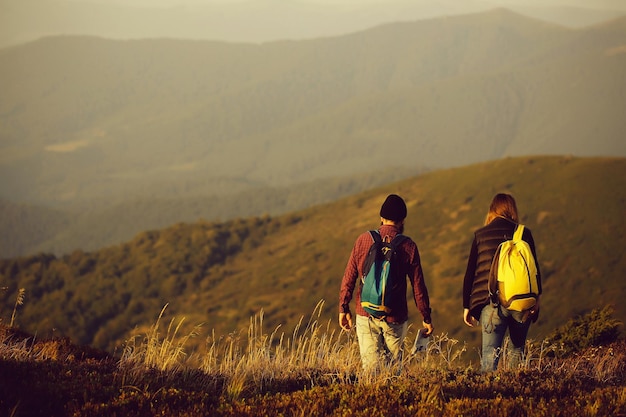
[[256, 22]]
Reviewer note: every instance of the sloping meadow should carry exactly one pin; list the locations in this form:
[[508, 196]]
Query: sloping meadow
[[218, 275]]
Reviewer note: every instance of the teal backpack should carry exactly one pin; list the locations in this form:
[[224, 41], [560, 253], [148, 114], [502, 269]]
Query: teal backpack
[[380, 275]]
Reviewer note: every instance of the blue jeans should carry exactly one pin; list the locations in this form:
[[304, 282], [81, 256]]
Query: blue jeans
[[379, 341], [495, 320]]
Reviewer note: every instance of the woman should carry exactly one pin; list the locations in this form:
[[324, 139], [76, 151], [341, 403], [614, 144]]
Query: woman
[[500, 224]]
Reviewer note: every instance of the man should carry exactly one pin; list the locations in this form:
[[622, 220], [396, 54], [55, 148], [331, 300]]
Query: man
[[384, 336]]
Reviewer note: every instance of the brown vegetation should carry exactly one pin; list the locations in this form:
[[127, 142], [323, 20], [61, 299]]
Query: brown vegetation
[[313, 372]]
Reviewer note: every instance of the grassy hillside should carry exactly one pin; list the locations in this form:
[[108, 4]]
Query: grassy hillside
[[221, 274]]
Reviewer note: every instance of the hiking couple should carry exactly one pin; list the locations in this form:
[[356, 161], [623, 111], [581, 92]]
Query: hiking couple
[[381, 334]]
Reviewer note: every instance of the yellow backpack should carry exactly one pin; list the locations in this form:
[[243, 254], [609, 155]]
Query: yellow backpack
[[513, 276]]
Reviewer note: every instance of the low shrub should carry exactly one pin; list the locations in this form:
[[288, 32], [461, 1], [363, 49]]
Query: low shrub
[[594, 329]]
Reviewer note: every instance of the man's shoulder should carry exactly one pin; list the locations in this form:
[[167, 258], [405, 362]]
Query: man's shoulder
[[405, 237], [367, 234], [364, 239], [407, 241]]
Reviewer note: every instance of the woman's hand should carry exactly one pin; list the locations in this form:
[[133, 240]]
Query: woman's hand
[[534, 312], [467, 318]]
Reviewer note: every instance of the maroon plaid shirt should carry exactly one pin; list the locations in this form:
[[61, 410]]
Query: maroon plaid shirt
[[412, 269]]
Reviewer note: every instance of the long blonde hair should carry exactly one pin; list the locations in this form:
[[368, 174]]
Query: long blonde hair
[[502, 205]]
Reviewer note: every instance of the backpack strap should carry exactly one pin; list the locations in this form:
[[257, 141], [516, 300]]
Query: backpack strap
[[398, 240], [492, 283], [519, 232], [395, 242], [375, 236], [369, 260]]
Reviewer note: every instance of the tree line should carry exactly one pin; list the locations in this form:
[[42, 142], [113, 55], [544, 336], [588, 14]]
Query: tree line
[[94, 297]]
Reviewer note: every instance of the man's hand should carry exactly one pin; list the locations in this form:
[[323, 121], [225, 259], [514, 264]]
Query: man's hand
[[429, 328], [345, 321]]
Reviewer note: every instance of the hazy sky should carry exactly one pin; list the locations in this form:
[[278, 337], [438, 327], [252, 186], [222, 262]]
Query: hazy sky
[[577, 3], [260, 20]]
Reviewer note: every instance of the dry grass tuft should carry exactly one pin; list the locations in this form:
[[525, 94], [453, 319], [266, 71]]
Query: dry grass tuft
[[163, 353]]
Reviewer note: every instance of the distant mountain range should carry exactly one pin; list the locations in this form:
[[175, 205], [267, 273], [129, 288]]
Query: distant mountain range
[[103, 130], [257, 21]]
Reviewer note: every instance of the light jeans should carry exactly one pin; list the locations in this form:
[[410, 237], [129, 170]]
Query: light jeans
[[495, 320], [380, 342]]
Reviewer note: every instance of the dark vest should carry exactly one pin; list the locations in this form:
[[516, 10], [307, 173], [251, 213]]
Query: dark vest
[[488, 238]]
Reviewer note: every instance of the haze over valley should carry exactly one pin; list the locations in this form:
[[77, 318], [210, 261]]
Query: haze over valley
[[101, 139]]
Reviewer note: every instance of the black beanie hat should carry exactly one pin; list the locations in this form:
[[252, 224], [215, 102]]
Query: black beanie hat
[[393, 208]]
